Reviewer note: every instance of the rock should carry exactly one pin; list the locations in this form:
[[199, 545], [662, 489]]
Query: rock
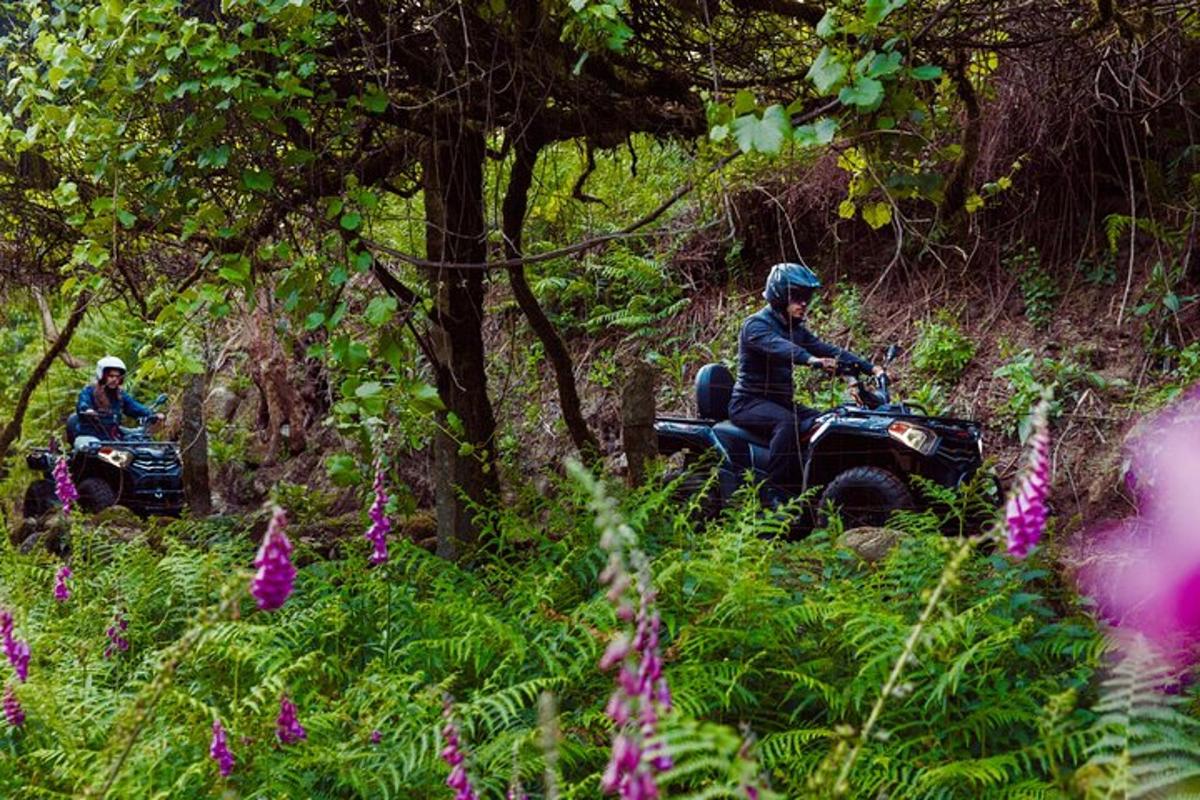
[[871, 544], [222, 404], [117, 516]]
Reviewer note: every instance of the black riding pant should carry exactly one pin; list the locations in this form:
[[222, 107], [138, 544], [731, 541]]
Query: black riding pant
[[783, 424]]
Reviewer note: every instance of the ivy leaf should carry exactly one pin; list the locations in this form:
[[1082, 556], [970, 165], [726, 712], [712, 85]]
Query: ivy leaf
[[765, 135], [818, 133], [351, 221], [973, 204], [865, 93], [877, 214], [827, 71], [126, 218], [926, 72], [258, 181], [847, 209], [375, 101]]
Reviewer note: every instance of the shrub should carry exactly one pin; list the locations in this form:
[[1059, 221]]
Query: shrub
[[942, 350]]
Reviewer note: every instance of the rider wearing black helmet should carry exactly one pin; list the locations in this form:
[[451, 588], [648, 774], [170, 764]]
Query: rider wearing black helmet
[[772, 342]]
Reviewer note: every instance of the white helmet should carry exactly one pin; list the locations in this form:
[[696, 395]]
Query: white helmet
[[109, 362]]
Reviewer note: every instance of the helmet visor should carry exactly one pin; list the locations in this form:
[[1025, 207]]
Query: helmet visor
[[800, 294]]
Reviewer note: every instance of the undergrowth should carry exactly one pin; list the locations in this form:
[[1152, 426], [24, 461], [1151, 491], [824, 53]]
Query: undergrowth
[[790, 641]]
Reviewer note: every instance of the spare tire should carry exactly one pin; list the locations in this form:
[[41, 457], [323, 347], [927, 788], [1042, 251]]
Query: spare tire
[[864, 497], [95, 495]]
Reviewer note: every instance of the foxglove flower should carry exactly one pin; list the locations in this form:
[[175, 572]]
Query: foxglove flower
[[287, 727], [64, 487], [1026, 512], [276, 576], [62, 592], [380, 524], [12, 708], [219, 749], [16, 650], [452, 754], [116, 641], [642, 694]]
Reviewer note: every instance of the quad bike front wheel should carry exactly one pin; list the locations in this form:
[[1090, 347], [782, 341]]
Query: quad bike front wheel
[[864, 497], [96, 495]]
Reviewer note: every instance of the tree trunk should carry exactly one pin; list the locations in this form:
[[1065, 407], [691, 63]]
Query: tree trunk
[[464, 448], [193, 446], [516, 199], [280, 410], [13, 429]]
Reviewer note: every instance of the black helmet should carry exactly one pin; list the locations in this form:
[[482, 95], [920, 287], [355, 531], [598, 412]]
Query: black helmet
[[790, 279]]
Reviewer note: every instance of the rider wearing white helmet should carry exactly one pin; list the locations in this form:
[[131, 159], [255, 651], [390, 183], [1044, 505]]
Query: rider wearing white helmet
[[102, 404]]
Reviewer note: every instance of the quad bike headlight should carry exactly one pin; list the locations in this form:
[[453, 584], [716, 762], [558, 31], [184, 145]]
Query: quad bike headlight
[[118, 458], [920, 439]]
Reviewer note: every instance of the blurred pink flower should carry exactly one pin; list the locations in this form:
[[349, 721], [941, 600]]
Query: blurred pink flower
[[1144, 572]]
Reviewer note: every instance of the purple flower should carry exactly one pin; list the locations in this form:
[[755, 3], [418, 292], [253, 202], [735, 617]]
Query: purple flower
[[219, 749], [287, 727], [376, 736], [453, 755], [62, 592], [380, 524], [12, 708], [116, 642], [16, 650], [64, 487], [642, 694], [276, 576], [1026, 512]]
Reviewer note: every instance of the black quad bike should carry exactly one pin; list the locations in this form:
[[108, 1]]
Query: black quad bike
[[861, 452], [143, 475]]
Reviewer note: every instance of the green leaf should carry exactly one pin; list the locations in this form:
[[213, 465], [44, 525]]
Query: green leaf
[[351, 221], [258, 181], [877, 214], [126, 219], [314, 320], [380, 309], [926, 72], [818, 133], [213, 157], [343, 470], [744, 102], [368, 389], [974, 203], [375, 101], [827, 71], [884, 64], [828, 25], [878, 10], [865, 93], [847, 209], [765, 135]]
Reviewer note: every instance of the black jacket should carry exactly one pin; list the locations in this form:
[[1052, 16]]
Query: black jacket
[[769, 348]]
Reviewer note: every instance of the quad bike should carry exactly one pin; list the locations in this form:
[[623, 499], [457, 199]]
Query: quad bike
[[134, 471], [861, 452]]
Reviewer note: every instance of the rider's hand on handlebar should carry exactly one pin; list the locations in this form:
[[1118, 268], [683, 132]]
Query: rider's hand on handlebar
[[827, 364], [89, 412]]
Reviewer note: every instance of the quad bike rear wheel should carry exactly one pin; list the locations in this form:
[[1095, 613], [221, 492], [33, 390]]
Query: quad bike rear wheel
[[96, 495], [864, 497], [694, 486]]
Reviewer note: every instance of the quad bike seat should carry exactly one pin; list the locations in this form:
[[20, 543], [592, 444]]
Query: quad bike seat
[[714, 389]]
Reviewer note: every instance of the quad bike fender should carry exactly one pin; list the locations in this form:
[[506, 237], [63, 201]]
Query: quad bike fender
[[675, 435]]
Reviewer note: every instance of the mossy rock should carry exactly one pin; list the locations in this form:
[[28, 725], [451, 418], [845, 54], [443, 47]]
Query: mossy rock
[[871, 544]]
